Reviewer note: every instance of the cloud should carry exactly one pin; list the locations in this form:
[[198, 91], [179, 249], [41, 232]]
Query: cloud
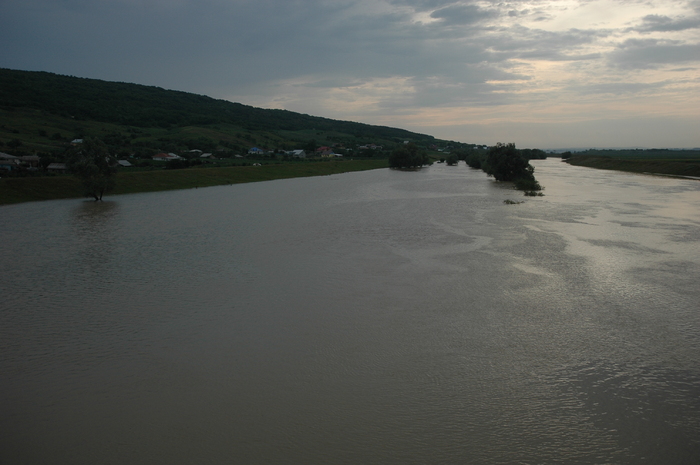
[[653, 53], [662, 23], [377, 61], [462, 14], [619, 88]]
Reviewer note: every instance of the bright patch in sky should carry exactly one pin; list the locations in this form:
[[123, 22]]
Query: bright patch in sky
[[598, 14]]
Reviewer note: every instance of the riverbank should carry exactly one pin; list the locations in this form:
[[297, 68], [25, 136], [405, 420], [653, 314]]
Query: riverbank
[[31, 189], [684, 168]]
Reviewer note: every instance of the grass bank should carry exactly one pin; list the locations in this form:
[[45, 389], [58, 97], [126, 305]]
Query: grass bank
[[16, 190], [653, 166]]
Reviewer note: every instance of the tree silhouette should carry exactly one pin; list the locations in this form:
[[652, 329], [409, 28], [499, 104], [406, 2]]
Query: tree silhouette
[[91, 162]]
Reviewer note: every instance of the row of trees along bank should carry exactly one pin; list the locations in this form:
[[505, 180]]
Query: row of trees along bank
[[502, 161], [92, 163]]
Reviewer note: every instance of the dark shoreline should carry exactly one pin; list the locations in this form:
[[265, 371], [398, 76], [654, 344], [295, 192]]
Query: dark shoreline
[[32, 189], [688, 169]]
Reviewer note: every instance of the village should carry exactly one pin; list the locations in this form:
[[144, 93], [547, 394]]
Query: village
[[34, 165]]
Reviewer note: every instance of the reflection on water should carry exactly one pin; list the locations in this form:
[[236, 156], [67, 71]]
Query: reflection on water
[[376, 317], [94, 227]]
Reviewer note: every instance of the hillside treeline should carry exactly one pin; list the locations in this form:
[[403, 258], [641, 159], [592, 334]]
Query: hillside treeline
[[153, 107]]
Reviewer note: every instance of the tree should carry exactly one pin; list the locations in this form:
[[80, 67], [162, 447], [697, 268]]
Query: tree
[[408, 156], [474, 160], [310, 147], [505, 163], [452, 159], [91, 162], [533, 154]]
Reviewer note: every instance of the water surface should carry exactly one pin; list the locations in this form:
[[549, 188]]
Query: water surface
[[374, 317]]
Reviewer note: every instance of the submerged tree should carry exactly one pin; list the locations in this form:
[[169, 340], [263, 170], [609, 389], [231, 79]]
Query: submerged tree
[[474, 160], [408, 156], [505, 163], [91, 162]]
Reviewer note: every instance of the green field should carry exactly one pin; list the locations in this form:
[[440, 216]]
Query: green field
[[668, 166], [29, 189]]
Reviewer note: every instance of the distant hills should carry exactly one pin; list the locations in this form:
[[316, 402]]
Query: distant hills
[[41, 110]]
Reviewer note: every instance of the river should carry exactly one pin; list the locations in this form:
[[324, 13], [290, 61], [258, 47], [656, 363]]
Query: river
[[375, 317]]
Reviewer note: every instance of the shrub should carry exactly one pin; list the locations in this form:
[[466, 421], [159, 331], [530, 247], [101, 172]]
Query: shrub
[[408, 156], [474, 160], [527, 184]]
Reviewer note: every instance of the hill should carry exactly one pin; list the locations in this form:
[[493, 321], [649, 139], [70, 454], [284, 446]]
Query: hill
[[42, 111]]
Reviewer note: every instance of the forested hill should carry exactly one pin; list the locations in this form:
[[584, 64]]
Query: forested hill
[[147, 106]]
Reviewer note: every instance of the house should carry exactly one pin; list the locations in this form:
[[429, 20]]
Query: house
[[31, 160], [297, 153], [207, 155], [255, 151], [124, 163], [166, 157], [9, 164], [57, 167], [330, 154]]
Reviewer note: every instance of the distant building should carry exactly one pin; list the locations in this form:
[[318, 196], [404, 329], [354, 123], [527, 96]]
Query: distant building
[[330, 154], [9, 164], [31, 160], [166, 157], [57, 167]]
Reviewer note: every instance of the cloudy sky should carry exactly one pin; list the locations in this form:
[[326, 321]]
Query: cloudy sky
[[540, 73]]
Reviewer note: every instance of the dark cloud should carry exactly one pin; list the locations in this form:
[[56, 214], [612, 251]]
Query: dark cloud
[[441, 53], [661, 23], [428, 5], [652, 53], [519, 42], [462, 14]]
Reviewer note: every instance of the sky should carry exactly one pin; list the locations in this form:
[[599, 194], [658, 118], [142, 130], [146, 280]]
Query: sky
[[540, 73]]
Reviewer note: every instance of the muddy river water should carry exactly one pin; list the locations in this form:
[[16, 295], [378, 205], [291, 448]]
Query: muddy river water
[[377, 317]]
